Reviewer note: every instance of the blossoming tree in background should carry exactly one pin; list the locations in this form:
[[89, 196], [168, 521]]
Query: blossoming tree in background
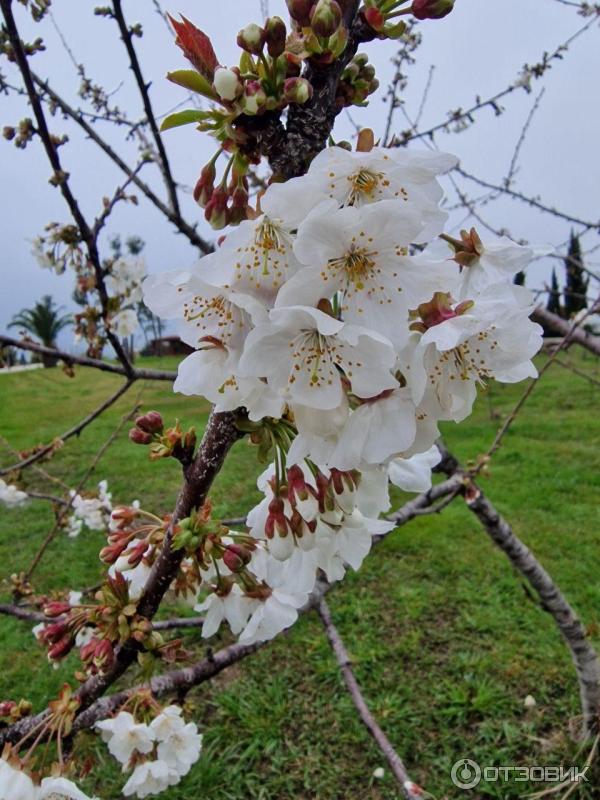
[[335, 324]]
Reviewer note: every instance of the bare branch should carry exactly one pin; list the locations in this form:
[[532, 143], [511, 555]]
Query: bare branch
[[84, 361], [74, 431], [410, 790], [143, 87], [564, 328]]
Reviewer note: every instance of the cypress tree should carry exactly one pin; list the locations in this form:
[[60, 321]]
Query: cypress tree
[[577, 282], [554, 296]]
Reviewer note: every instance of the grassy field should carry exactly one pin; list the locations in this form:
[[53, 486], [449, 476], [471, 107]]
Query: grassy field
[[445, 641]]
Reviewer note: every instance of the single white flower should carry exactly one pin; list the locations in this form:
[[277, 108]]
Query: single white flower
[[124, 322], [136, 576], [302, 350], [181, 749], [125, 736], [233, 607], [150, 777], [11, 496], [60, 789], [15, 784], [357, 178], [256, 259], [414, 474], [493, 338], [362, 254]]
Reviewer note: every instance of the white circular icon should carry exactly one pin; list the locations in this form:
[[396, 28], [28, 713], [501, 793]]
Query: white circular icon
[[466, 774]]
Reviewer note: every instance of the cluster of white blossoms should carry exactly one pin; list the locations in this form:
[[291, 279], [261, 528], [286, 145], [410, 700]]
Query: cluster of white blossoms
[[125, 283], [16, 784], [159, 754], [93, 512], [11, 496], [327, 319]]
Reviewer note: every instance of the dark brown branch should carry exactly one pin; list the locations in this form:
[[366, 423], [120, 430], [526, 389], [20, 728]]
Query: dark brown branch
[[143, 87], [60, 177], [182, 226], [20, 612], [406, 785], [74, 431], [84, 361], [552, 600]]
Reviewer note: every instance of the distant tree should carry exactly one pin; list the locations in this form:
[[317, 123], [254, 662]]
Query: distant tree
[[554, 296], [577, 283], [44, 321]]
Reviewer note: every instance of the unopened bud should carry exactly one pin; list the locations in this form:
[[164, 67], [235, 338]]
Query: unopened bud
[[297, 90], [432, 9], [254, 99], [236, 557], [252, 39], [152, 422], [300, 11], [206, 184], [276, 35], [139, 437], [228, 84], [216, 211], [61, 648], [326, 18], [374, 17], [56, 609]]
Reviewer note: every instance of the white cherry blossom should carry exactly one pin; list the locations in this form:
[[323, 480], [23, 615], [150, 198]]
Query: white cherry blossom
[[11, 496], [362, 253], [15, 784], [360, 178], [302, 350], [125, 736], [60, 789], [149, 778], [414, 474]]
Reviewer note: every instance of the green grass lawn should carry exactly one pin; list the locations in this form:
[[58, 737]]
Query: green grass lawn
[[445, 641]]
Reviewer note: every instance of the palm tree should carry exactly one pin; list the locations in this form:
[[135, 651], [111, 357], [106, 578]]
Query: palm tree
[[44, 321]]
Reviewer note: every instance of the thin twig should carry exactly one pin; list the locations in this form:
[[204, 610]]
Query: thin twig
[[62, 516], [410, 790], [74, 431]]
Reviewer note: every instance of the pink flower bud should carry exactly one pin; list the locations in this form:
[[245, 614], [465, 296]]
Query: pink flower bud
[[61, 648], [151, 422], [432, 9], [276, 35], [206, 184], [139, 437], [297, 90], [216, 211], [300, 11], [326, 18], [252, 39], [236, 557], [374, 18], [56, 609]]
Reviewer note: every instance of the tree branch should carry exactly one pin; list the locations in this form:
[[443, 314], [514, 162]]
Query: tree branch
[[552, 600], [410, 790], [143, 87], [74, 431], [85, 361], [565, 328], [182, 226]]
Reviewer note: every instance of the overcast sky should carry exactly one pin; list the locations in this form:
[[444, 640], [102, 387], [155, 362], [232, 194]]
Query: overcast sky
[[477, 51]]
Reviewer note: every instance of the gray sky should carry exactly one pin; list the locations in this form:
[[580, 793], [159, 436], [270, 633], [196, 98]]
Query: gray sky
[[477, 51]]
